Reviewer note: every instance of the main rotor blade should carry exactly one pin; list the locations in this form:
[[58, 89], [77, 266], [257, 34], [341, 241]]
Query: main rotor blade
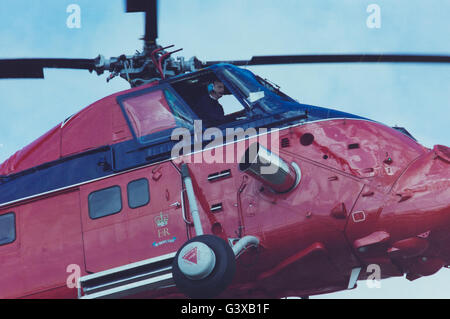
[[34, 68], [151, 16], [336, 58]]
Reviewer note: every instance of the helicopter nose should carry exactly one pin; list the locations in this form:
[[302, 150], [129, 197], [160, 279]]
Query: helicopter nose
[[423, 206], [428, 178]]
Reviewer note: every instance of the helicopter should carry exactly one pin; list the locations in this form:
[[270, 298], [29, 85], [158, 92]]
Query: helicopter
[[181, 79]]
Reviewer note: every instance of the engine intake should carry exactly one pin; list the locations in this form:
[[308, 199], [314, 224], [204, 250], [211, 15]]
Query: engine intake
[[270, 169]]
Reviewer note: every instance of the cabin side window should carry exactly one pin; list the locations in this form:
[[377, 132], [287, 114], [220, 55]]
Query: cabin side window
[[138, 193], [105, 202], [7, 228]]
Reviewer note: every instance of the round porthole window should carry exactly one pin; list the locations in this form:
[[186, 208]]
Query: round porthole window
[[306, 139]]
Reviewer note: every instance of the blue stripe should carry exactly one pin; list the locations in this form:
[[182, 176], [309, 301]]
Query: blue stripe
[[55, 175], [98, 163]]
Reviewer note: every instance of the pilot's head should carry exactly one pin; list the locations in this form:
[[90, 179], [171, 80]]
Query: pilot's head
[[216, 89]]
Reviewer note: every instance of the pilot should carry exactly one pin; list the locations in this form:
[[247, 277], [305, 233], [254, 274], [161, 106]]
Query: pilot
[[208, 107]]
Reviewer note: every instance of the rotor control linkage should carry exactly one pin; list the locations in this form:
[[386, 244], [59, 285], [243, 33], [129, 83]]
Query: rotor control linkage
[[153, 55], [162, 60], [159, 57]]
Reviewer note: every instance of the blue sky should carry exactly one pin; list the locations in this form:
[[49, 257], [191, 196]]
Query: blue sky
[[410, 95]]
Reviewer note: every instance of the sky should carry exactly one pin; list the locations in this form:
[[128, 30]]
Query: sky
[[414, 96]]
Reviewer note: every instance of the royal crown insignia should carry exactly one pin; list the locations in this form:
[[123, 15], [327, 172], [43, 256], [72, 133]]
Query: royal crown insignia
[[161, 220]]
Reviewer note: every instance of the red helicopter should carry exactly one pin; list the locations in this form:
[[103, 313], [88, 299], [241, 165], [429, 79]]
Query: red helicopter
[[133, 197]]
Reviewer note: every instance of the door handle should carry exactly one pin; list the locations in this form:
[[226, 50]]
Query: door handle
[[176, 205]]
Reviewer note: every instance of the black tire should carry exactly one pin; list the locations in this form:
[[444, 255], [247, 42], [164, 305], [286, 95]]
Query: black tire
[[221, 276]]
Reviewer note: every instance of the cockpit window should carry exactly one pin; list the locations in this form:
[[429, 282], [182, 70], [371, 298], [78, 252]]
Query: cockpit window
[[209, 98], [256, 91], [273, 88], [177, 106], [149, 113], [153, 114]]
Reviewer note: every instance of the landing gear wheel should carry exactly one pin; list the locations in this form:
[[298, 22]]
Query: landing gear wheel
[[204, 266]]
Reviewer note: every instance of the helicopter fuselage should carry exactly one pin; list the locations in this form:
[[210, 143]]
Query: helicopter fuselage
[[103, 189]]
